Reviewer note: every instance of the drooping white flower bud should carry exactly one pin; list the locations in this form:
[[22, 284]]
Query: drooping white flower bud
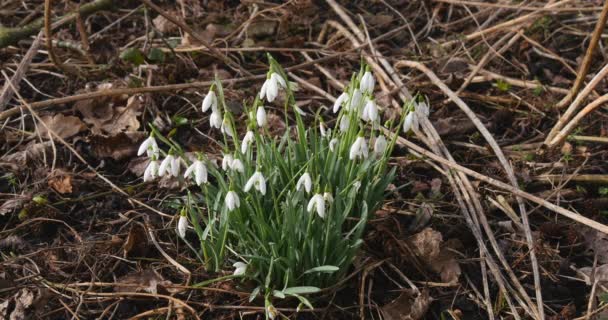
[[332, 144], [237, 165], [324, 131], [409, 122], [227, 128], [182, 225], [380, 145], [200, 172], [232, 201], [210, 101], [272, 89], [247, 141], [304, 181], [359, 149], [280, 81], [151, 171], [344, 123], [227, 162], [215, 120], [256, 181], [317, 203], [367, 82], [260, 117], [170, 165], [370, 111], [328, 197], [355, 100], [340, 101]]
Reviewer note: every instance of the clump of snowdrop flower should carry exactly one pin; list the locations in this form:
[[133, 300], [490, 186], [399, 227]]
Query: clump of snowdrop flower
[[295, 206]]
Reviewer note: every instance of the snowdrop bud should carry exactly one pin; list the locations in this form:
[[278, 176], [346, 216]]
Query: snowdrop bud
[[367, 82], [258, 181], [247, 141], [304, 181], [227, 128], [359, 149], [175, 166], [355, 100], [260, 117], [422, 109], [370, 112], [227, 162], [380, 145], [279, 80], [344, 123], [215, 120], [151, 171], [237, 165], [317, 203], [408, 122], [149, 146], [340, 101], [182, 225], [232, 200], [164, 165], [210, 101], [272, 89], [240, 268], [332, 144]]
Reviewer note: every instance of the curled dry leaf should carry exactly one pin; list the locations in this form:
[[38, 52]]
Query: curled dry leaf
[[428, 245], [61, 181], [22, 301], [408, 306], [107, 116], [147, 281], [63, 126]]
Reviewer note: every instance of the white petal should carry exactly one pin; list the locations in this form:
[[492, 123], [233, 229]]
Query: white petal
[[279, 80], [189, 170], [200, 173], [263, 90], [367, 82], [250, 183], [260, 117], [423, 109], [232, 201], [380, 145], [247, 141], [227, 128], [407, 123], [175, 166], [355, 100], [355, 149], [240, 268], [144, 146], [164, 165], [237, 165], [151, 171], [304, 181], [215, 120], [262, 184], [340, 101], [344, 123], [272, 90], [322, 129], [209, 101], [320, 206], [328, 197], [227, 162], [182, 225]]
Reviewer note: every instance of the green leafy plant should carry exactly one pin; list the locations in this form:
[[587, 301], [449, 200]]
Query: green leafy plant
[[289, 211]]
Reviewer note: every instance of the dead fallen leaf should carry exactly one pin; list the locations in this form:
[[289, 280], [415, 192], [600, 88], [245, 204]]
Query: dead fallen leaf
[[137, 242], [23, 300], [33, 152], [120, 146], [14, 204], [146, 281], [163, 25], [408, 306], [138, 165], [601, 273], [63, 126], [61, 181], [111, 116], [596, 243], [428, 245]]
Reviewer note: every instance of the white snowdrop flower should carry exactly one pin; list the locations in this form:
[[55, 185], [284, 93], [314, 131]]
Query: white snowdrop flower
[[355, 100], [260, 117], [270, 88], [370, 111], [380, 145], [423, 109], [256, 181], [182, 225], [215, 120], [151, 171], [340, 101], [239, 268], [210, 101], [304, 181], [280, 81], [247, 141], [328, 197], [232, 200], [344, 123], [367, 82], [165, 165], [227, 162], [332, 144], [227, 128], [410, 122], [149, 146], [200, 172], [237, 165], [317, 203], [359, 149]]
